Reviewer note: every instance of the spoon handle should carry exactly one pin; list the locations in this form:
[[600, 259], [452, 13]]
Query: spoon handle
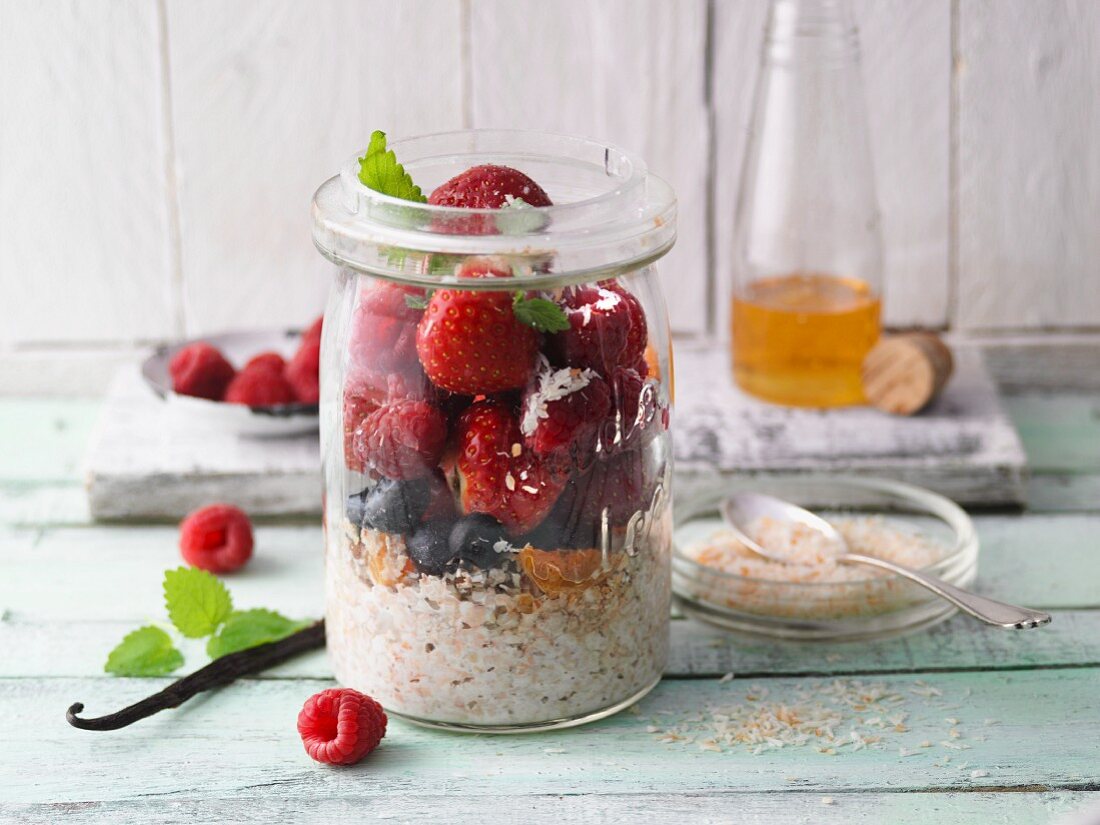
[[990, 611]]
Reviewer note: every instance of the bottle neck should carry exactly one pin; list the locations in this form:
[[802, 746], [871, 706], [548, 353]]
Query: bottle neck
[[810, 31]]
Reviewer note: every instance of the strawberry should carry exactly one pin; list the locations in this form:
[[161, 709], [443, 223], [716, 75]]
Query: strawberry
[[402, 439], [607, 329], [383, 330], [472, 342], [562, 410], [497, 474], [489, 187]]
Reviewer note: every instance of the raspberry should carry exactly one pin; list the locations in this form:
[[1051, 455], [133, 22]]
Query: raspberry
[[302, 372], [402, 440], [340, 726], [383, 330], [313, 331], [259, 386], [200, 370], [216, 538], [607, 329], [562, 411], [366, 392], [266, 360]]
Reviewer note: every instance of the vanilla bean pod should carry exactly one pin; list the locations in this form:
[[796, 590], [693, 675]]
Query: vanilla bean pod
[[218, 673]]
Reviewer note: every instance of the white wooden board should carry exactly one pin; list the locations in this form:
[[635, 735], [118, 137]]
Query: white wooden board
[[144, 461], [963, 446]]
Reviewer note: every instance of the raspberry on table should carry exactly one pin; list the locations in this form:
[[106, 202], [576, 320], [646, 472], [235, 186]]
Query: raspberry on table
[[200, 370], [260, 385], [302, 373], [402, 439], [340, 726], [216, 538], [266, 360]]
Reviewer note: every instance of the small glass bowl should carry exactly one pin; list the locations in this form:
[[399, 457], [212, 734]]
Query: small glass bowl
[[824, 611]]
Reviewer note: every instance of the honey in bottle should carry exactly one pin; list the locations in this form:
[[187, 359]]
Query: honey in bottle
[[807, 269]]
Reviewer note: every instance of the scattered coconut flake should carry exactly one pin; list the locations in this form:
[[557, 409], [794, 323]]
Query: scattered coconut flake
[[553, 750], [827, 800], [727, 678], [978, 774], [553, 385]]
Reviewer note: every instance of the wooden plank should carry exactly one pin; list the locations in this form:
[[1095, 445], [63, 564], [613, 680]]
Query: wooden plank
[[1027, 239], [1052, 716], [628, 72], [1064, 493], [267, 110], [38, 648], [62, 371], [85, 252], [48, 439], [146, 461], [906, 64], [269, 805], [963, 446], [1060, 432], [1059, 362]]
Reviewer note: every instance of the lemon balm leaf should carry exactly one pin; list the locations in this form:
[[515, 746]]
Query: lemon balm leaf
[[147, 651], [197, 602], [540, 313], [380, 171], [247, 628]]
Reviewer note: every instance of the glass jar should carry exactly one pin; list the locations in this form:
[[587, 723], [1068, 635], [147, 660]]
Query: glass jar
[[497, 517], [808, 251]]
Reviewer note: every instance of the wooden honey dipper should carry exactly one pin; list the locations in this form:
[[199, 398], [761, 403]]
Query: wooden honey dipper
[[903, 373]]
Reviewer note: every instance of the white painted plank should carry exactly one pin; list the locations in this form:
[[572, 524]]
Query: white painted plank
[[269, 99], [242, 739], [906, 64], [1029, 164], [268, 805], [84, 233], [631, 72]]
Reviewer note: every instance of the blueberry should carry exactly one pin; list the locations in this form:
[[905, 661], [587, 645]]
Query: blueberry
[[391, 506], [473, 538], [429, 548]]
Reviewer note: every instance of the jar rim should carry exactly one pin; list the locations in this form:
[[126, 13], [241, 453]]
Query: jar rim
[[610, 213]]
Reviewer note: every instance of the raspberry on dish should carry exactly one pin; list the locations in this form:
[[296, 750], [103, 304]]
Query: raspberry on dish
[[562, 410], [340, 726], [266, 360], [216, 538], [260, 385], [302, 373], [200, 370], [402, 439]]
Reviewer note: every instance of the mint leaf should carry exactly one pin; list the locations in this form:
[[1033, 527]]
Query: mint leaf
[[147, 651], [540, 313], [416, 301], [248, 628], [197, 602], [380, 171]]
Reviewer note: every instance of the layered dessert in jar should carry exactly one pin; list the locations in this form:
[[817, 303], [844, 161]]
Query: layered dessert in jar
[[497, 463]]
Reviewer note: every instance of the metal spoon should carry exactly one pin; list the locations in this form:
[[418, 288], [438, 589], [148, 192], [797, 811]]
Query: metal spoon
[[744, 508]]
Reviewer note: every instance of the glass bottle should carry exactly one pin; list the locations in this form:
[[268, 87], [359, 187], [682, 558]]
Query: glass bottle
[[808, 252]]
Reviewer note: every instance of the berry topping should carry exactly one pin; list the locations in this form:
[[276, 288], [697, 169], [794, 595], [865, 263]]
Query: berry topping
[[383, 330], [607, 329], [200, 370], [402, 439], [392, 506], [259, 385], [561, 571], [266, 360], [429, 548], [497, 474], [562, 410], [471, 342], [216, 538], [302, 372], [476, 538], [340, 726], [489, 187]]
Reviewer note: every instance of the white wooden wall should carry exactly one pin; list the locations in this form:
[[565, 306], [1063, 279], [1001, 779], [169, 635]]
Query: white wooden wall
[[157, 156]]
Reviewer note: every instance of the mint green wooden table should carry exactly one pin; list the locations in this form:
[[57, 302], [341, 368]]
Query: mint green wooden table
[[1027, 705]]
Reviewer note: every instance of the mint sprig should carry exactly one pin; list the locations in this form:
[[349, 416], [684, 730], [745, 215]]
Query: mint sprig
[[380, 171], [199, 606], [147, 651], [540, 313]]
